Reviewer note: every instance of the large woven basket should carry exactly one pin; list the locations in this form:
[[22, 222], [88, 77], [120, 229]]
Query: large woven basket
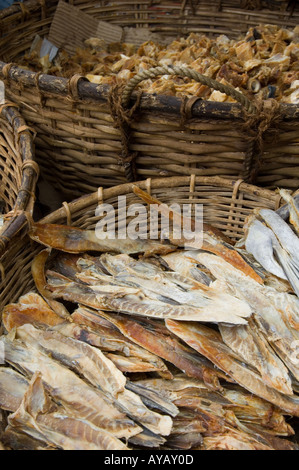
[[79, 144], [18, 171], [226, 204]]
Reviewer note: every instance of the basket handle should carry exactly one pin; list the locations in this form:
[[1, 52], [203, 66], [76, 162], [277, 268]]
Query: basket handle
[[185, 72]]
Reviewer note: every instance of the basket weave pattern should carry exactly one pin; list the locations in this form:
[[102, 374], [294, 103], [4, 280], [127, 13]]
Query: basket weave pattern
[[226, 205], [18, 171], [77, 136]]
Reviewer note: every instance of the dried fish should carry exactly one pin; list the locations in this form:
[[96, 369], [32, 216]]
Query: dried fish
[[233, 440], [266, 53], [76, 240], [153, 399], [97, 369], [266, 304], [187, 267], [212, 240], [12, 388], [31, 308], [251, 409], [38, 274], [293, 209], [211, 305], [40, 417], [250, 344], [127, 356], [163, 345], [83, 401], [209, 343], [259, 242]]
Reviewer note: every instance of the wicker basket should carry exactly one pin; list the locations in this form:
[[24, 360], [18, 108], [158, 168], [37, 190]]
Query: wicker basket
[[80, 138], [226, 205], [18, 171]]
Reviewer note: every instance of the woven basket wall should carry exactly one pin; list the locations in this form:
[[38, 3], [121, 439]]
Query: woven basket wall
[[18, 171], [226, 204], [80, 147]]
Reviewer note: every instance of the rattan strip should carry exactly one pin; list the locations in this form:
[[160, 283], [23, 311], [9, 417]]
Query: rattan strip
[[18, 171]]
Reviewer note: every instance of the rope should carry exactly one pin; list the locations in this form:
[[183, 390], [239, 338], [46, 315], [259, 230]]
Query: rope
[[267, 116], [122, 119], [185, 72], [9, 215]]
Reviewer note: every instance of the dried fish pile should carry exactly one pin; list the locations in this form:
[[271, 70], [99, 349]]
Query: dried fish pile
[[263, 63], [145, 345], [274, 242]]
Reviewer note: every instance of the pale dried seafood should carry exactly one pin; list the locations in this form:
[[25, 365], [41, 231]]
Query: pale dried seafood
[[262, 63], [117, 368], [280, 239]]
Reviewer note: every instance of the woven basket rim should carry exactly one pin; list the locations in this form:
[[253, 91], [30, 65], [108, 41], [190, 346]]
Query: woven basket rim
[[24, 140], [103, 194], [85, 90], [15, 263]]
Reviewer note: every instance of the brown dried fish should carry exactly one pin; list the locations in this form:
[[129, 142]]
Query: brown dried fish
[[209, 343], [76, 240], [212, 239], [31, 308], [127, 356], [163, 345]]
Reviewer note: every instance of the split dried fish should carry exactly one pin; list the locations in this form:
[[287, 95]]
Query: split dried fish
[[76, 240], [160, 343], [266, 304], [293, 209], [281, 243], [212, 240], [207, 304], [98, 370], [208, 342], [105, 374], [39, 417], [83, 401]]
